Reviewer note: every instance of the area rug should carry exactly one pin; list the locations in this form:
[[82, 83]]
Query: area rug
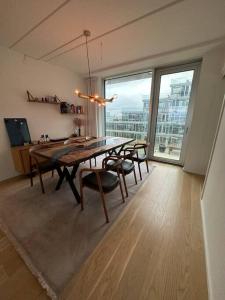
[[50, 232]]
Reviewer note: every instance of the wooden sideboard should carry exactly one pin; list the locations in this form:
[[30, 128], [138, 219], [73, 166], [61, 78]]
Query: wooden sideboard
[[20, 155]]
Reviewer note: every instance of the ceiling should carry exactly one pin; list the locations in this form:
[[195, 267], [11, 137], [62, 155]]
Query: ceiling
[[125, 35]]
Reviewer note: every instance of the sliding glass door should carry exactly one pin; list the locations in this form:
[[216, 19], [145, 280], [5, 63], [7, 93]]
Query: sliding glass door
[[128, 115], [171, 112], [164, 121]]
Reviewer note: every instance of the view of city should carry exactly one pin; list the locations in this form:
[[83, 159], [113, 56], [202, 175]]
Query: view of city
[[128, 116]]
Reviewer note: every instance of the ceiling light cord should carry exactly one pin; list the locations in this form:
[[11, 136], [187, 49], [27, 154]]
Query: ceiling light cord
[[90, 96], [88, 62]]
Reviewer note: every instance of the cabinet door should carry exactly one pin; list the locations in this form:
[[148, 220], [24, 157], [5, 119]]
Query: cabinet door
[[25, 160], [20, 157]]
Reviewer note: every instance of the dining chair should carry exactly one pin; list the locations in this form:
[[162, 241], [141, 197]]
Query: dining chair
[[139, 157], [90, 160], [100, 179], [40, 165], [127, 166]]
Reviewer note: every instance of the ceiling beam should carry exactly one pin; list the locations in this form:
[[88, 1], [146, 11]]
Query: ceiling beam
[[148, 14], [39, 23], [161, 54], [60, 47]]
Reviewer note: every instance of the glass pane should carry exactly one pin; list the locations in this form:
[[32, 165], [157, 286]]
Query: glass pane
[[128, 115], [173, 103]]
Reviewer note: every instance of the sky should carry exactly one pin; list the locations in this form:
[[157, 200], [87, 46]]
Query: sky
[[130, 93]]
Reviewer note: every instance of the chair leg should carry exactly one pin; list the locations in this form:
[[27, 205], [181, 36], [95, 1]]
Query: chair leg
[[31, 171], [135, 176], [147, 166], [139, 167], [102, 197], [95, 162], [125, 184], [31, 179], [121, 189], [90, 162], [104, 206], [41, 182]]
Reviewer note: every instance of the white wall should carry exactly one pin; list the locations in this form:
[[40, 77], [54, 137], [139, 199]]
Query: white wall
[[213, 212], [18, 74], [206, 111]]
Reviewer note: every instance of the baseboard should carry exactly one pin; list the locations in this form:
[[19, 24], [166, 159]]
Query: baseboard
[[206, 253], [12, 179], [187, 170]]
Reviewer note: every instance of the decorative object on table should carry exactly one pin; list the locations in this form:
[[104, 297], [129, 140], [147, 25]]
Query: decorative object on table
[[92, 97], [47, 139], [44, 138], [48, 99], [78, 123]]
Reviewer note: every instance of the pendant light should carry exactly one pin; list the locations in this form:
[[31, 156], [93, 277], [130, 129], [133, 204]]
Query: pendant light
[[92, 97]]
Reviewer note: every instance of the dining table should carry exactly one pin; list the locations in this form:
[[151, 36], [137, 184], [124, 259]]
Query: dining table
[[70, 153]]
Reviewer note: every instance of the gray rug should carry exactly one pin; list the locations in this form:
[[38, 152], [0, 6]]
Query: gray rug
[[51, 233]]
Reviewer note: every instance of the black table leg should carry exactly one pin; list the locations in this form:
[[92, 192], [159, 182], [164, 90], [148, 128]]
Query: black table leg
[[69, 177], [72, 185], [74, 171], [62, 175], [115, 151], [59, 171]]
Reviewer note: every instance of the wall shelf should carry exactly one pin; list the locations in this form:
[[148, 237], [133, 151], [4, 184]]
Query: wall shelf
[[48, 99], [65, 107]]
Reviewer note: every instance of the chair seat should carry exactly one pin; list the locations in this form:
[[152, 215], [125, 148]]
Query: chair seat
[[140, 158], [127, 166], [47, 166], [109, 181]]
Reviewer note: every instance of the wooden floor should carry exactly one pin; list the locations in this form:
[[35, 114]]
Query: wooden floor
[[154, 251]]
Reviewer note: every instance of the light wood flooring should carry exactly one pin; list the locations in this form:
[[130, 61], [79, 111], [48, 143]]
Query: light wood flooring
[[153, 251]]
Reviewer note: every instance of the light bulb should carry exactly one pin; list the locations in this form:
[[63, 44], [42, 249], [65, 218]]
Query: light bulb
[[96, 96], [77, 92], [92, 100]]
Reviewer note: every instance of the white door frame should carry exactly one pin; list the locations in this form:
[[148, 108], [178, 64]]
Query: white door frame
[[157, 73]]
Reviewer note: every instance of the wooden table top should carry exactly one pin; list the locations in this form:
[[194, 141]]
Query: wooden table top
[[78, 151]]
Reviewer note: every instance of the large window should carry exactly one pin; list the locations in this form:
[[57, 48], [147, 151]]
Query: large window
[[173, 101], [128, 115]]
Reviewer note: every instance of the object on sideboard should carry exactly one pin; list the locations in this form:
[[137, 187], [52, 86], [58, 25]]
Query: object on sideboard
[[18, 131], [67, 108], [78, 124], [44, 138], [47, 99]]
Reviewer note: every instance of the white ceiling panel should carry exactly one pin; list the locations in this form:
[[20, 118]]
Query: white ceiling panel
[[18, 16], [182, 25], [177, 27], [96, 15]]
